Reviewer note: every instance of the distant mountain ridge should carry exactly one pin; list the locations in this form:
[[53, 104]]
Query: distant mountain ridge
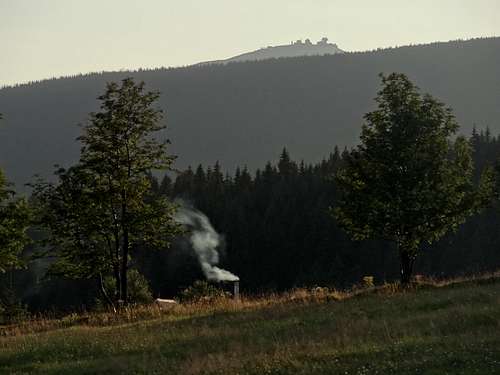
[[294, 49], [243, 113]]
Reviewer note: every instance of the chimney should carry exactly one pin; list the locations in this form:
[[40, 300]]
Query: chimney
[[236, 290]]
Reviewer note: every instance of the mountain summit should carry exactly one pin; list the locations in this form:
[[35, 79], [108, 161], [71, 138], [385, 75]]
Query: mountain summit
[[294, 49]]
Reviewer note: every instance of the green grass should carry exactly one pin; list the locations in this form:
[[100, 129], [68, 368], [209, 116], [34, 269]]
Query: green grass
[[450, 329]]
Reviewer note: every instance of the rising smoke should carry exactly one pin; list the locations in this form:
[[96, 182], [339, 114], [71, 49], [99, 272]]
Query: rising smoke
[[205, 242]]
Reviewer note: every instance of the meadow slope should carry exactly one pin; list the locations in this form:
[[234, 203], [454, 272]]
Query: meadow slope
[[450, 329]]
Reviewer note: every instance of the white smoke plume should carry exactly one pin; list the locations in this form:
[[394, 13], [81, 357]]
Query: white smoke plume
[[205, 241]]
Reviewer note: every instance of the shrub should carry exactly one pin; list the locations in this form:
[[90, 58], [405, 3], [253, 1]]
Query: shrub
[[138, 288], [368, 281], [202, 291], [11, 308]]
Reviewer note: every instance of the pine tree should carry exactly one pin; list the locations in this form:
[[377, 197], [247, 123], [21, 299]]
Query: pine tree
[[165, 188], [286, 166]]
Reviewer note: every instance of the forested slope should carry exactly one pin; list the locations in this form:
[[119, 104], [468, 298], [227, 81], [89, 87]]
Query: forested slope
[[244, 113]]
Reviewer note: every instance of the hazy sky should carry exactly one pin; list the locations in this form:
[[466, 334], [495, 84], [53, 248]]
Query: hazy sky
[[46, 38]]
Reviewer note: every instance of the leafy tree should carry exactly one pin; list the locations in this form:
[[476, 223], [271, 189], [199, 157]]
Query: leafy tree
[[138, 287], [14, 222], [104, 206], [408, 182], [76, 222]]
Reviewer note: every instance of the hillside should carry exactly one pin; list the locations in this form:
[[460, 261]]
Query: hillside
[[244, 113], [452, 329]]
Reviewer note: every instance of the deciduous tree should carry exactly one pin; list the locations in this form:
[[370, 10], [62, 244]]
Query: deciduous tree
[[103, 207], [408, 181], [14, 222]]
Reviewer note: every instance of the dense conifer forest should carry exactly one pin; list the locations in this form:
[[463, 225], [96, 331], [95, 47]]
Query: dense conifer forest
[[278, 234]]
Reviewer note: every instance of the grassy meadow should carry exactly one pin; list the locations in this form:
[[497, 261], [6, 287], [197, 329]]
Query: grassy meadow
[[434, 328]]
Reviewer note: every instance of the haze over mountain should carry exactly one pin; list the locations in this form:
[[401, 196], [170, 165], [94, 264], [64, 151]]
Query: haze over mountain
[[243, 113]]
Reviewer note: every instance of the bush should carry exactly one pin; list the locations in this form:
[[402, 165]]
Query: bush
[[368, 281], [138, 288], [11, 308], [202, 291]]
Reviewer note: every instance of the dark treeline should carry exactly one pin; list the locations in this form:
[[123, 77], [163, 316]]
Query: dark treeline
[[278, 233]]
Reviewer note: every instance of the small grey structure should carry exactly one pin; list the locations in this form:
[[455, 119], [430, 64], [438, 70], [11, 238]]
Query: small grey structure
[[294, 49], [236, 290]]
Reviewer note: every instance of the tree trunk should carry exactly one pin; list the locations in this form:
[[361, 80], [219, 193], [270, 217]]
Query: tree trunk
[[114, 256], [104, 293], [124, 269], [407, 260], [116, 266], [118, 284]]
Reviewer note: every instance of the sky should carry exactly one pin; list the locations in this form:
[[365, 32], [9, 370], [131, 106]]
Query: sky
[[51, 38]]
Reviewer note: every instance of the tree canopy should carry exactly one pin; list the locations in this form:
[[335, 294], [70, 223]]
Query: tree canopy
[[14, 222], [102, 207], [408, 182]]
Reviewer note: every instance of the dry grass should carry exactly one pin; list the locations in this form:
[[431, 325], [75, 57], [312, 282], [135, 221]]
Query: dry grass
[[434, 327], [43, 322]]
